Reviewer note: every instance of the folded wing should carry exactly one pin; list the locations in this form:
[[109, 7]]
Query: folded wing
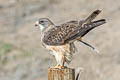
[[72, 30], [58, 35]]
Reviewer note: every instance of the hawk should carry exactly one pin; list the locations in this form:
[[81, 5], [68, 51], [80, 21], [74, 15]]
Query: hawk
[[59, 39]]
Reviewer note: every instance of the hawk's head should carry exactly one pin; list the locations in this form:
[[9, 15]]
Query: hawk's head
[[43, 23]]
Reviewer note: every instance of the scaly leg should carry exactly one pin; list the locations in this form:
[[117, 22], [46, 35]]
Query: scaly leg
[[61, 66], [60, 61]]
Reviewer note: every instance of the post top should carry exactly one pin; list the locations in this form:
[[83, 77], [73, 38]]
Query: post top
[[61, 69]]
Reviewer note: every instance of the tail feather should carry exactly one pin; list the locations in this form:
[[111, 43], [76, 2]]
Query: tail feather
[[86, 28], [95, 23], [92, 16], [90, 26]]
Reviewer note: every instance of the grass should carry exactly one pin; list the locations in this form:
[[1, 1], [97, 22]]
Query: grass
[[6, 53], [22, 54], [5, 48]]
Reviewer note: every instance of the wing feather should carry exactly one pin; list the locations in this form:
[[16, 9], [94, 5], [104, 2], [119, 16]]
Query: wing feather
[[71, 30], [85, 29], [58, 35]]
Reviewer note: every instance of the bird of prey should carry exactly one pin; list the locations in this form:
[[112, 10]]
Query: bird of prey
[[59, 39]]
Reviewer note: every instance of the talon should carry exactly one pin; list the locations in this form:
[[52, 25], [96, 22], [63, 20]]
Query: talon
[[59, 67], [56, 67]]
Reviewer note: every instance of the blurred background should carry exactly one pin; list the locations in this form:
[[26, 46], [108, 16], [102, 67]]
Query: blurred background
[[22, 56]]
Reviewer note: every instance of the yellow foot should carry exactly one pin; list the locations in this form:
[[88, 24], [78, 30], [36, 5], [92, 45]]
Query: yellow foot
[[55, 66], [59, 67]]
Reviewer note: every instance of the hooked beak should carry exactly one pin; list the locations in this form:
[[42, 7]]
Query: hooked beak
[[36, 25]]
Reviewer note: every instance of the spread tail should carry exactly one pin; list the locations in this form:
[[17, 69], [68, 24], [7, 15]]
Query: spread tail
[[87, 27], [92, 16], [95, 23]]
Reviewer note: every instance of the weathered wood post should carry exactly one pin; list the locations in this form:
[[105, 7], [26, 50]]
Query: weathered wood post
[[61, 74]]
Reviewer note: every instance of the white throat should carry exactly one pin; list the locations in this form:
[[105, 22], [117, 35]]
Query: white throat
[[41, 27]]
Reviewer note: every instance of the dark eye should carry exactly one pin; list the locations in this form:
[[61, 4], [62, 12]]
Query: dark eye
[[41, 21]]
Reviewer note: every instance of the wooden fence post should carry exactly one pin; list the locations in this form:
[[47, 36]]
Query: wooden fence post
[[61, 74]]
